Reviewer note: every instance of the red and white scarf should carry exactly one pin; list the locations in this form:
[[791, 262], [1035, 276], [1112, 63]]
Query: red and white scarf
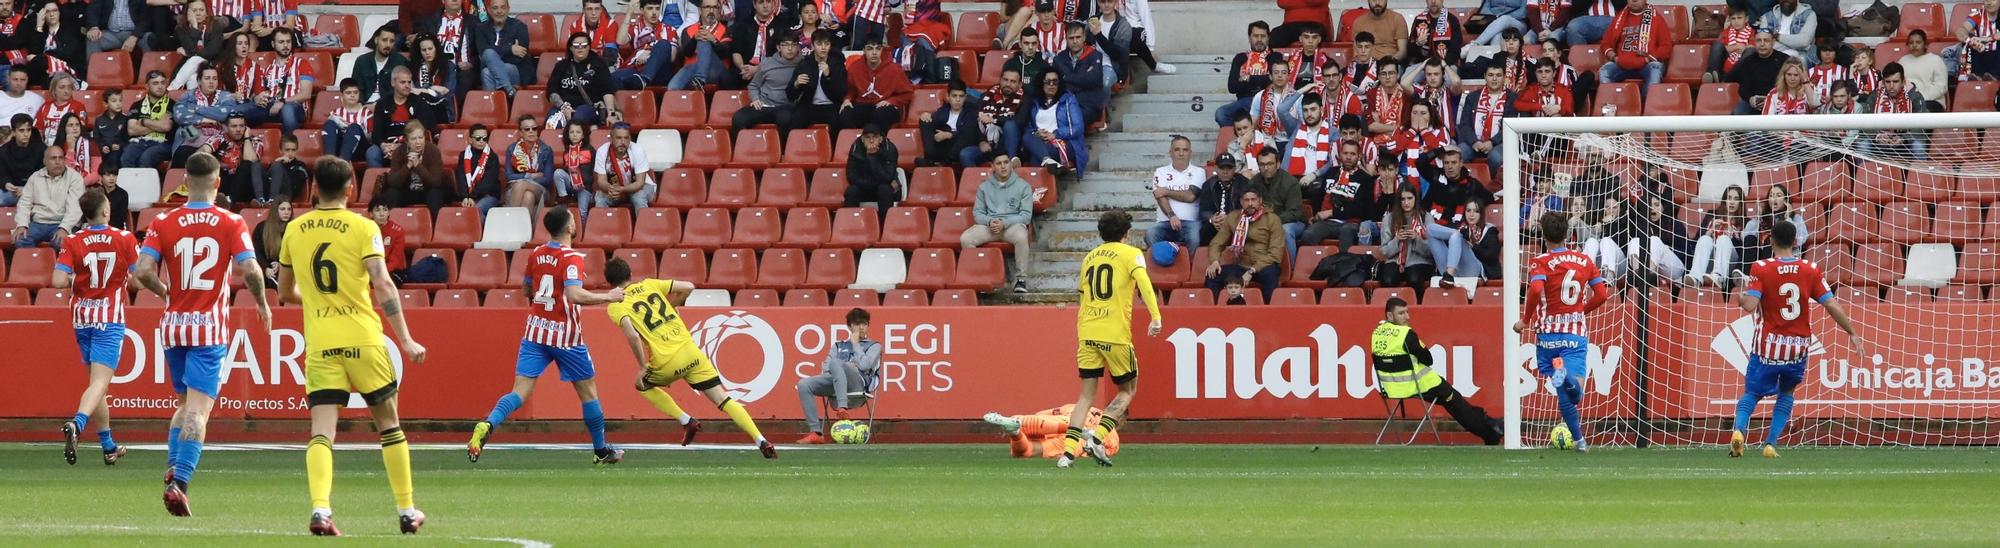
[[1486, 114], [1865, 80], [621, 166], [1551, 10], [473, 168], [10, 26], [1824, 76], [1307, 65], [1254, 64], [1242, 235], [1893, 102], [526, 154], [1312, 148], [644, 36], [1517, 75], [1786, 104], [80, 155], [1982, 27], [1387, 105], [1745, 36], [577, 161], [1267, 106], [1435, 32], [451, 33]]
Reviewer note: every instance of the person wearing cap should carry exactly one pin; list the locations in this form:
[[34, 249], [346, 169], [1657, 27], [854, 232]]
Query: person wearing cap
[[877, 89], [770, 87], [871, 172], [1176, 189], [1220, 195], [1002, 211]]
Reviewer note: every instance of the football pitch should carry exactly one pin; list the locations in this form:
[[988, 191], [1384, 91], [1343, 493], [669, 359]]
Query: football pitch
[[976, 495]]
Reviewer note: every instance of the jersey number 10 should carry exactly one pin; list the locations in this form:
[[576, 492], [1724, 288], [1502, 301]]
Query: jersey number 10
[[1099, 280]]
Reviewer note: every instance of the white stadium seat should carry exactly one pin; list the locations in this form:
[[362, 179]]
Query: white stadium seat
[[506, 228], [141, 184], [1930, 265], [662, 146], [708, 298], [880, 270]]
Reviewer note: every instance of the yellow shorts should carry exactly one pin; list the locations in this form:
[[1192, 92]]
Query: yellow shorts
[[1094, 358], [332, 373], [690, 365]]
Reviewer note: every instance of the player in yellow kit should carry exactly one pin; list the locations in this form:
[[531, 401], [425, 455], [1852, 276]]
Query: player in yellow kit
[[667, 353], [340, 253], [1111, 273]]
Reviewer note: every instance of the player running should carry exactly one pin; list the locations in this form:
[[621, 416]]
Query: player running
[[1111, 273], [341, 252], [200, 245], [96, 262], [555, 333], [1779, 362], [667, 353], [1557, 326]]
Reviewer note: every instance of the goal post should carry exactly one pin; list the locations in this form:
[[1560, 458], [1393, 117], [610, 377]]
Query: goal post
[[1893, 209]]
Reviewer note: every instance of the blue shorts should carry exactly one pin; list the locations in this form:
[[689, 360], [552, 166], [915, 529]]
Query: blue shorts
[[1762, 379], [101, 344], [197, 368], [573, 362], [1571, 350]]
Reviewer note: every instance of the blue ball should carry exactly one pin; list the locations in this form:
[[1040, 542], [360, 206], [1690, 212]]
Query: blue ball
[[1164, 253]]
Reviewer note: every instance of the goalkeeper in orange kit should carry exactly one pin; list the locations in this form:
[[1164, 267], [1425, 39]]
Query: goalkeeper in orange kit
[[1041, 434]]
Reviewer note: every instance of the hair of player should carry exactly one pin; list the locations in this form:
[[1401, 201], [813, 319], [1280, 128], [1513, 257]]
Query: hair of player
[[94, 204], [557, 221], [1113, 225], [857, 316], [331, 177], [202, 168], [616, 271], [1394, 304], [1555, 229], [1784, 235]]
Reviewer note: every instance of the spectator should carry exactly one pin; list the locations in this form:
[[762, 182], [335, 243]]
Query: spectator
[[1542, 200], [998, 110], [1389, 31], [395, 252], [434, 79], [1435, 34], [530, 168], [1300, 16], [602, 34], [1268, 107], [80, 151], [1245, 250], [1482, 240], [240, 155], [1449, 193], [108, 130], [48, 207], [654, 49], [1284, 202], [868, 19], [502, 50], [372, 70], [1145, 33], [1343, 201], [201, 116], [1924, 70], [1515, 70], [811, 20], [1404, 255], [1897, 143], [1002, 210], [416, 174], [264, 19], [1501, 16], [877, 90], [1796, 27], [1792, 94], [1113, 35], [1715, 249], [770, 88], [1433, 89], [575, 170], [393, 115], [269, 236], [150, 124], [1054, 128], [1777, 209], [452, 28], [288, 174], [926, 29], [755, 38], [1027, 58], [118, 25], [62, 102], [347, 130], [818, 88], [1361, 71], [1546, 98], [623, 175], [1756, 73], [1336, 100], [1220, 195], [1424, 136], [1248, 140], [1480, 113], [1547, 20], [478, 174], [61, 46], [1389, 102], [1736, 40], [580, 86], [1664, 235], [121, 201], [1612, 231], [242, 74], [1311, 147], [1639, 44], [201, 40], [17, 99], [1249, 73], [1584, 83], [20, 159], [1310, 62], [1974, 57], [1828, 71], [849, 362], [1588, 22], [871, 172], [1082, 70], [951, 135], [288, 81], [1840, 99], [1176, 189], [1048, 29]]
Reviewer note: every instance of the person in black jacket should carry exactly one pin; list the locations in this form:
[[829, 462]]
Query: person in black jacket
[[1342, 202], [1249, 73], [21, 156], [871, 172], [108, 32], [394, 112], [501, 48], [580, 86], [1757, 73], [1221, 195], [67, 44], [478, 172], [754, 37], [817, 89], [108, 130], [952, 133]]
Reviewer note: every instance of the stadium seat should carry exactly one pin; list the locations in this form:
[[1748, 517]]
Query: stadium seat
[[606, 227], [732, 269], [925, 101], [931, 269], [1447, 296], [908, 149], [1824, 181], [828, 188], [1973, 188], [706, 149], [992, 64], [806, 227], [31, 268], [642, 261], [639, 107], [731, 188], [950, 225], [854, 228], [1043, 181], [976, 29], [456, 228], [1925, 16], [536, 102], [757, 228], [1875, 182], [906, 228], [20, 297], [842, 144], [484, 107], [968, 185], [806, 148], [830, 269], [1669, 100], [782, 188], [682, 110], [1979, 264], [1908, 295], [756, 149], [341, 25], [880, 270], [690, 265], [656, 228], [1956, 222], [1974, 96], [167, 62], [1293, 296], [1587, 57], [1906, 222], [483, 269], [1716, 99], [1168, 276], [705, 228], [930, 187], [857, 298], [1889, 52], [110, 69], [1930, 265], [1869, 294], [681, 187], [416, 223], [1197, 267], [541, 33], [53, 297], [1623, 95], [1487, 295], [450, 259], [1962, 293], [455, 298], [1874, 264], [906, 297], [955, 297], [1196, 297], [1382, 295], [708, 298], [981, 269], [723, 105], [507, 228], [662, 147], [1851, 223], [1308, 259], [1687, 64], [781, 269], [805, 297]]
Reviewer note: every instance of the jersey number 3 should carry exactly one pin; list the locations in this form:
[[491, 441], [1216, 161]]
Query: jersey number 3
[[1790, 292]]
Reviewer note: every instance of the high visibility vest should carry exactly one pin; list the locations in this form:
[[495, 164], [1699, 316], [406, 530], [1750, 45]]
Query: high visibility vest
[[1398, 372]]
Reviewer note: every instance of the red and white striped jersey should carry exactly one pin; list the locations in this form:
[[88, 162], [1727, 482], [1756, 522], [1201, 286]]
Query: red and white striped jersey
[[1053, 39], [872, 10], [99, 258], [1783, 285], [1823, 77], [451, 34], [644, 35], [233, 9], [1572, 274], [355, 116], [249, 79], [49, 118], [1602, 8], [284, 75], [197, 247], [275, 12], [552, 320]]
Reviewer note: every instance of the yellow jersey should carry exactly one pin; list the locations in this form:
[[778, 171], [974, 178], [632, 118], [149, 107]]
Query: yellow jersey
[[1111, 273], [325, 249], [658, 323]]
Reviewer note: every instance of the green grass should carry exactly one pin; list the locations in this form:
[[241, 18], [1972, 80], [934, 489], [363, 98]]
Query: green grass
[[975, 495]]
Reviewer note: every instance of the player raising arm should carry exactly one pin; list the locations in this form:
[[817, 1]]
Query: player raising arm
[[1557, 325], [667, 353], [97, 261], [1784, 340], [1111, 273]]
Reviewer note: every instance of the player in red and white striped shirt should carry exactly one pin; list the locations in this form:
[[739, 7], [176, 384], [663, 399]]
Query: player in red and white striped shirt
[[554, 334], [1777, 294], [95, 263], [197, 245], [1559, 328]]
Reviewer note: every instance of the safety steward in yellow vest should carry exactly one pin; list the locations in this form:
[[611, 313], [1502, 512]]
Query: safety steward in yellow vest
[[1403, 365]]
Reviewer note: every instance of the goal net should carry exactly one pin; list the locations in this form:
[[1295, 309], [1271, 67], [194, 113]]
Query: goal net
[[1675, 209]]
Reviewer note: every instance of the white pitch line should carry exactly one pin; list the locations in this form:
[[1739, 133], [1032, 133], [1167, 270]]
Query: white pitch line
[[523, 543], [461, 447]]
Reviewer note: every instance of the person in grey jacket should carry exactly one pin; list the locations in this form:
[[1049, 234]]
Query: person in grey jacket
[[849, 367], [769, 88], [1001, 212]]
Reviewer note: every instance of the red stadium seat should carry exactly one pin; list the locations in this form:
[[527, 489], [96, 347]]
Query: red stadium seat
[[1875, 182], [1829, 257], [931, 269], [723, 105], [991, 65], [781, 269], [1197, 267], [756, 149], [656, 228], [1852, 223], [950, 224], [606, 227], [455, 298], [457, 228], [732, 188], [1962, 293], [167, 62], [643, 263], [782, 188], [1974, 96], [32, 268], [828, 188], [1293, 296], [341, 25], [682, 110], [1382, 295], [732, 269], [1303, 265], [1687, 64], [1669, 100], [483, 269], [532, 102], [1343, 296], [1925, 16], [907, 147], [842, 144], [1446, 296], [706, 149], [1043, 181], [906, 297], [1824, 181], [110, 69], [976, 29], [980, 269], [1874, 264], [1978, 188], [681, 187], [805, 297], [806, 149], [854, 228], [857, 298], [1587, 57], [485, 107], [1906, 295], [1906, 222], [1957, 222], [1715, 99], [1196, 297], [450, 259], [926, 101], [1978, 264], [830, 269], [967, 64], [1927, 186], [639, 107], [955, 297], [968, 185], [906, 227], [757, 228], [930, 187], [1623, 95], [541, 33], [20, 297], [706, 228], [690, 265], [807, 227], [756, 298], [415, 297], [53, 297]]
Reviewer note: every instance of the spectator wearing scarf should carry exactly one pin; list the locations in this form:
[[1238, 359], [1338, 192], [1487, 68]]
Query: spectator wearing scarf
[[1480, 112], [1246, 248], [1641, 44]]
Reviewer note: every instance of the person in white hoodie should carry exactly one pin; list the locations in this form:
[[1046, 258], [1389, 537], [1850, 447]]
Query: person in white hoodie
[[1925, 70]]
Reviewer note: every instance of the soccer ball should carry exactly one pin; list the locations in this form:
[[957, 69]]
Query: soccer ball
[[1560, 438], [850, 432]]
